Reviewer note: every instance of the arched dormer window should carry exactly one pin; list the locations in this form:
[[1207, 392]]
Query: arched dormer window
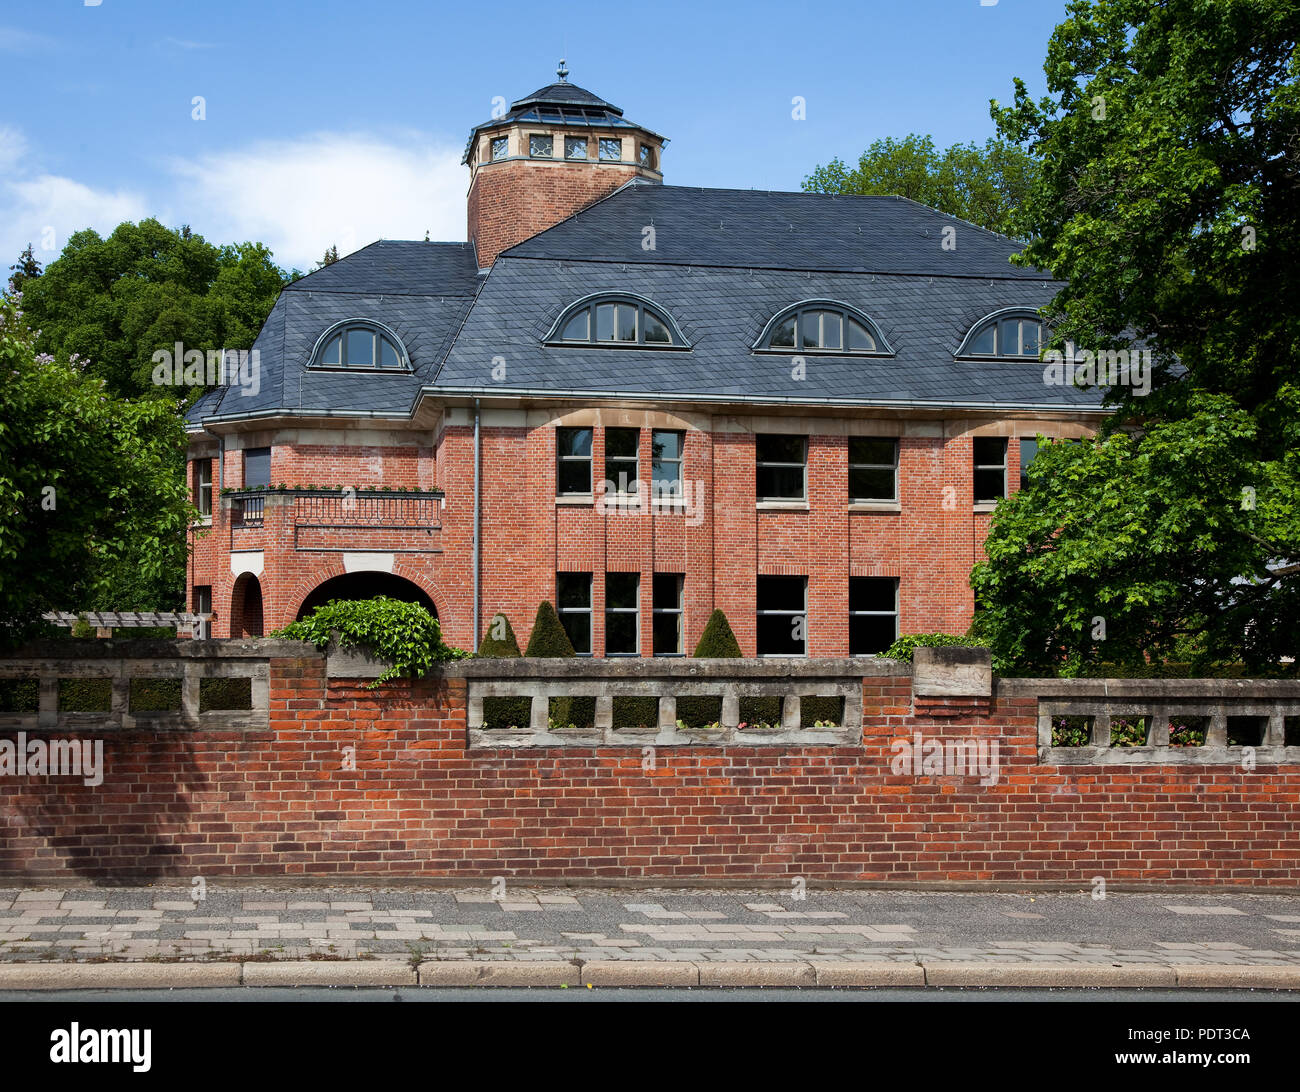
[[358, 344], [823, 326], [616, 322], [1013, 333]]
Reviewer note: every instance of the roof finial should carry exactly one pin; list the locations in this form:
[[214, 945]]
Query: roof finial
[[562, 72]]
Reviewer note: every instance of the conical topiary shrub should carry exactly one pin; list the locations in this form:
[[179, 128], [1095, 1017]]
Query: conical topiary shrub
[[548, 638], [499, 640], [717, 641], [499, 643]]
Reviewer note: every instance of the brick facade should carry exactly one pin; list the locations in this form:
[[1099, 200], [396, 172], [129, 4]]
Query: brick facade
[[281, 802]]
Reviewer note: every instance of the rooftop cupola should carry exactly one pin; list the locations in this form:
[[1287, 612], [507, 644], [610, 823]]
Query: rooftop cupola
[[552, 153]]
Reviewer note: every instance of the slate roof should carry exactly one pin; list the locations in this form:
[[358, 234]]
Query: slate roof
[[724, 262], [421, 291]]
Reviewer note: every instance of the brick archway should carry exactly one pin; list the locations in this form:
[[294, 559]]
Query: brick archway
[[246, 607], [365, 585]]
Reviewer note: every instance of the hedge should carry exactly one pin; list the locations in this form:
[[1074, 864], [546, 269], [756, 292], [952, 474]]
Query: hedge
[[19, 695]]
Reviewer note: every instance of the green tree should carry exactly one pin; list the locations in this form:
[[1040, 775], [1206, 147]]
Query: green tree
[[27, 268], [980, 184], [1171, 210], [330, 257], [116, 301], [88, 490]]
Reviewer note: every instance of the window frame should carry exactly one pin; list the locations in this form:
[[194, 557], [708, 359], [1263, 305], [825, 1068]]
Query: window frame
[[586, 149], [1023, 442], [977, 466], [760, 463], [561, 459], [601, 157], [541, 136], [634, 459], [377, 329], [893, 499], [196, 599], [202, 479], [873, 613], [679, 494], [493, 141], [678, 611], [555, 337], [994, 320], [588, 610], [244, 467], [634, 610], [646, 156], [760, 613], [846, 312]]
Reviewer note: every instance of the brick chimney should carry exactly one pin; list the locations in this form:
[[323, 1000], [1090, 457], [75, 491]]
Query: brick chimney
[[551, 154]]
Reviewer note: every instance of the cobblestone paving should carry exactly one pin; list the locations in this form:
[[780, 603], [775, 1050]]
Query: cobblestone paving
[[588, 923]]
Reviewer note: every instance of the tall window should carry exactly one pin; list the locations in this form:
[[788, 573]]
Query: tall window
[[647, 156], [500, 147], [202, 599], [990, 469], [782, 615], [573, 461], [1028, 449], [873, 614], [666, 463], [573, 601], [257, 467], [622, 591], [667, 613], [203, 486], [621, 458], [782, 466], [873, 469]]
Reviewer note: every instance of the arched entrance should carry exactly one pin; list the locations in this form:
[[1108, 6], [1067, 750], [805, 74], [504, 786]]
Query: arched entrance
[[246, 607], [365, 585]]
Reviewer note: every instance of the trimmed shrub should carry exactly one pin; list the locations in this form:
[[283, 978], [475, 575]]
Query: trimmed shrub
[[580, 712], [760, 710], [155, 695], [19, 695], [222, 694], [697, 712], [717, 640], [499, 641], [85, 695], [903, 647], [404, 635], [636, 712], [505, 713], [548, 637], [825, 709]]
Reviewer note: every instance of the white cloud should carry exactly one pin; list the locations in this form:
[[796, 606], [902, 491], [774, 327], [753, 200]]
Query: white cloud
[[44, 209], [302, 196], [13, 40]]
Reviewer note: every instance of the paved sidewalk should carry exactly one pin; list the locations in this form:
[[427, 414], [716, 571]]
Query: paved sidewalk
[[407, 927]]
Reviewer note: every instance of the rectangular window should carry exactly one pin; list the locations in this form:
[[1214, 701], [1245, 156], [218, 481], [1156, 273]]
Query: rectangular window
[[782, 615], [257, 467], [621, 458], [666, 463], [622, 592], [611, 148], [500, 147], [575, 147], [573, 461], [203, 486], [873, 614], [540, 145], [782, 466], [1028, 449], [573, 600], [666, 608], [202, 599], [990, 469], [873, 469], [647, 156]]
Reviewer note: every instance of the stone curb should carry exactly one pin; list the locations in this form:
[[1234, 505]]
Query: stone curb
[[109, 976], [643, 973], [358, 972]]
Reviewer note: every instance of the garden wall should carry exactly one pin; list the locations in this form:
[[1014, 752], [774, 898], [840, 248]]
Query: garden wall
[[939, 776]]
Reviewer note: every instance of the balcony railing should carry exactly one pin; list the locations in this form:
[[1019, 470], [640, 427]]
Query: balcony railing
[[346, 519]]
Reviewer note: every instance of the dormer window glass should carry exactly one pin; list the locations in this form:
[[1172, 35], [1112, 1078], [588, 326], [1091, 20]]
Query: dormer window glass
[[822, 328], [1012, 337], [613, 321], [360, 346]]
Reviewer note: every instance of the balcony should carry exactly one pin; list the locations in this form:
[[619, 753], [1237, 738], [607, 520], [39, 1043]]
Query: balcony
[[343, 520]]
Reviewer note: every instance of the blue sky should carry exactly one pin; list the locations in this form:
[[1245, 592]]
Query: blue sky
[[341, 121]]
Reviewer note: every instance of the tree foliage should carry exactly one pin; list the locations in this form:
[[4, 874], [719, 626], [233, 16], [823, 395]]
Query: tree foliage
[[115, 301], [92, 513], [1169, 204], [25, 269], [980, 184]]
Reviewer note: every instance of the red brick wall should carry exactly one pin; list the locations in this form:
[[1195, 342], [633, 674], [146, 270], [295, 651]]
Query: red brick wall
[[929, 546], [280, 803]]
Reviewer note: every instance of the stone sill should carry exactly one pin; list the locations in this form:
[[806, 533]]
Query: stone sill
[[583, 500], [983, 509], [873, 506], [675, 667], [782, 506], [1164, 756], [496, 739]]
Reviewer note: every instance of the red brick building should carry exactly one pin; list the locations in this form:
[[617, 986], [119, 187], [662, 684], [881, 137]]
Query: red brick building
[[637, 401]]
